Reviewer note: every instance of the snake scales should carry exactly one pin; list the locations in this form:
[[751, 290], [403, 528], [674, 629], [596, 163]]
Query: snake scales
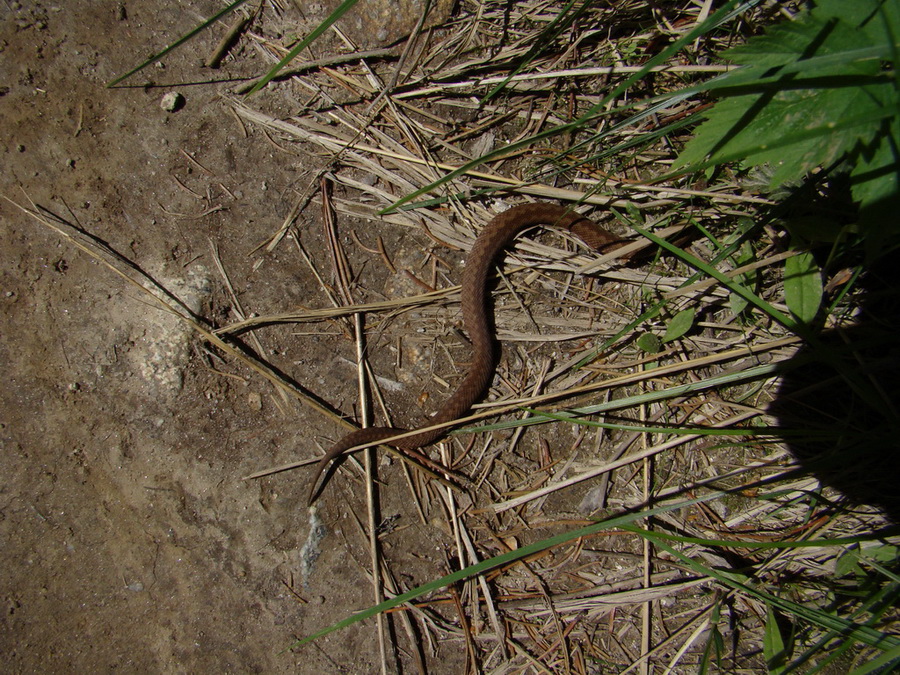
[[494, 238]]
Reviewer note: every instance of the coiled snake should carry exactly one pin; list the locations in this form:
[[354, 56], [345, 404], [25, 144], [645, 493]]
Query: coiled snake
[[495, 237]]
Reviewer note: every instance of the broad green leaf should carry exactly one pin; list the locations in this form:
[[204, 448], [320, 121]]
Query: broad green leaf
[[802, 286], [737, 303], [814, 112], [875, 185], [830, 27], [886, 553], [847, 563], [810, 93], [872, 17], [649, 343], [680, 324]]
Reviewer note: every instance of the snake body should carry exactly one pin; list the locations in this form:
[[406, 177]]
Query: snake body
[[497, 235]]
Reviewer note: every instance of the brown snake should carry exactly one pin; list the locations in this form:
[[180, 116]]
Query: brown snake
[[496, 236]]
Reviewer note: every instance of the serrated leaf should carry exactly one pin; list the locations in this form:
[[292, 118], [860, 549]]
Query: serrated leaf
[[874, 177], [793, 130], [875, 184], [871, 17], [832, 99], [802, 286], [829, 28], [680, 324]]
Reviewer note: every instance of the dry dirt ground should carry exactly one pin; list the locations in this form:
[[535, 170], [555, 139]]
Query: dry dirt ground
[[128, 538]]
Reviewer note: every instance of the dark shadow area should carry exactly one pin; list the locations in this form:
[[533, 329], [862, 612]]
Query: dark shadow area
[[851, 433]]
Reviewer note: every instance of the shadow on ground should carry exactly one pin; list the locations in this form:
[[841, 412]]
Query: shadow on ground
[[841, 399]]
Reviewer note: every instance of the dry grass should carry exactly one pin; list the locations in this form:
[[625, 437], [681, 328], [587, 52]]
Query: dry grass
[[688, 421], [613, 602]]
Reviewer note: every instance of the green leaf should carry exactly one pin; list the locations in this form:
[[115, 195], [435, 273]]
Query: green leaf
[[812, 91], [847, 563], [885, 553], [737, 303], [802, 286], [680, 324], [773, 643], [831, 27], [634, 213], [649, 343], [748, 280], [875, 185]]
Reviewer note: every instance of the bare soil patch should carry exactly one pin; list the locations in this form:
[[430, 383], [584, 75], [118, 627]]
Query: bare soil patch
[[129, 540]]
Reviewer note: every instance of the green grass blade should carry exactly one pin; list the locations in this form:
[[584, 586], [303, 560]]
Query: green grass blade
[[731, 8], [304, 43], [887, 662], [758, 433], [499, 561], [766, 370], [786, 321], [751, 545], [560, 22], [852, 377], [773, 643], [180, 41], [847, 629]]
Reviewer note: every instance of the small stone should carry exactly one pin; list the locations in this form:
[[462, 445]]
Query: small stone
[[172, 101], [254, 400]]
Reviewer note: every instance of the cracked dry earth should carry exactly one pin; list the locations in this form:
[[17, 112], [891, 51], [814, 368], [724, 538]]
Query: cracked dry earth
[[128, 538]]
